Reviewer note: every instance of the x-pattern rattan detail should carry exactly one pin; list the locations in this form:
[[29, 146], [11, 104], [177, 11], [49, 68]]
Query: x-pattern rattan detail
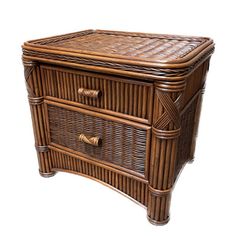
[[28, 69], [171, 113]]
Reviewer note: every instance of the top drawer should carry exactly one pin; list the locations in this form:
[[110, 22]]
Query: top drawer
[[114, 95]]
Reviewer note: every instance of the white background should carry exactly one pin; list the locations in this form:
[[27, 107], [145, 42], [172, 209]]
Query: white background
[[204, 199]]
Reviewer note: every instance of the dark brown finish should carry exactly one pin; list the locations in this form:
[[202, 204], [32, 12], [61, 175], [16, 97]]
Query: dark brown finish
[[120, 108], [115, 94], [66, 124]]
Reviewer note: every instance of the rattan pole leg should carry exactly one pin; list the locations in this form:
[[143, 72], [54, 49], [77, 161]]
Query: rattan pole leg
[[165, 135], [162, 170], [36, 102], [158, 206]]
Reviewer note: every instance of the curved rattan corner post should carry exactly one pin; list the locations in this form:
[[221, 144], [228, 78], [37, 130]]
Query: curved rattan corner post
[[165, 132], [36, 99]]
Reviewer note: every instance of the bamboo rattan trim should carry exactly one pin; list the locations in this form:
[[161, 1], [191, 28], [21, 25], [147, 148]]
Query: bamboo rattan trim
[[159, 193], [160, 72], [35, 100], [42, 148], [166, 134]]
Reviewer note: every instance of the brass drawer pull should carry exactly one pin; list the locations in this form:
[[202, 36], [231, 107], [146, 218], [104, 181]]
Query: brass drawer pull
[[94, 141], [89, 93]]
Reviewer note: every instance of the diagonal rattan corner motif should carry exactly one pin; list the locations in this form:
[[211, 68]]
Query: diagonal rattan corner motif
[[28, 69], [171, 111]]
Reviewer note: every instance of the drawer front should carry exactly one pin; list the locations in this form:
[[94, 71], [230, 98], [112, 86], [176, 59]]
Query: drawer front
[[102, 138], [108, 93]]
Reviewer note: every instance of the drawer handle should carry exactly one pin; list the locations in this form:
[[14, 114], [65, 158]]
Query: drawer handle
[[94, 141], [89, 93]]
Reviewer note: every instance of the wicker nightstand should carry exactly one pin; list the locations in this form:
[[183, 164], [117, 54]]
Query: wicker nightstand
[[121, 108]]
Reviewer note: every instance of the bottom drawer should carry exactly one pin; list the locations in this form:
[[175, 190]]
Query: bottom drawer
[[107, 139]]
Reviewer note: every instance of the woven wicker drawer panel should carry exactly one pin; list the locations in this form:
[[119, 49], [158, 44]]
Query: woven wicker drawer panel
[[119, 95], [122, 145]]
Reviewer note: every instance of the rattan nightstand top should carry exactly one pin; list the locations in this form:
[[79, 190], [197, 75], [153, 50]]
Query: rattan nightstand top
[[138, 47]]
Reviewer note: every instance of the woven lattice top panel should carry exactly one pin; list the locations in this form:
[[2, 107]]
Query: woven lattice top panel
[[145, 47]]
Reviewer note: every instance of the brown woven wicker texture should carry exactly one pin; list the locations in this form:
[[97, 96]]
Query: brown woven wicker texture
[[120, 108], [126, 148], [151, 47]]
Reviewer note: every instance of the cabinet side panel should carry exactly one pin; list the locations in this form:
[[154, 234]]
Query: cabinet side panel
[[190, 115]]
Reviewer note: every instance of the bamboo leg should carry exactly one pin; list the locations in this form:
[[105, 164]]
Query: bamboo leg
[[36, 101], [165, 134]]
